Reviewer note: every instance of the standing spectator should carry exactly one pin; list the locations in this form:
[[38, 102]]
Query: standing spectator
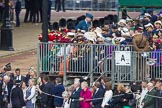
[[128, 95], [18, 75], [49, 10], [27, 77], [149, 101], [108, 96], [153, 17], [148, 32], [85, 95], [75, 94], [7, 86], [98, 93], [140, 44], [57, 91], [58, 5], [1, 98], [46, 101], [40, 9], [17, 97], [1, 10], [86, 23], [33, 75], [118, 103], [23, 87], [18, 10], [158, 101], [63, 5], [30, 95], [143, 93], [27, 7]]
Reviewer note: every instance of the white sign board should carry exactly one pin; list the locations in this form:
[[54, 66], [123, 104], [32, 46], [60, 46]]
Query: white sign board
[[123, 58]]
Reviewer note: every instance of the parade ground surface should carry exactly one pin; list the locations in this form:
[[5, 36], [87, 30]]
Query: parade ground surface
[[25, 38]]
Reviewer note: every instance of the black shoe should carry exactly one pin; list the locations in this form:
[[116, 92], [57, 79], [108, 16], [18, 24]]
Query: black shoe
[[64, 11]]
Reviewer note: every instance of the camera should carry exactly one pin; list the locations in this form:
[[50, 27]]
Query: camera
[[7, 67]]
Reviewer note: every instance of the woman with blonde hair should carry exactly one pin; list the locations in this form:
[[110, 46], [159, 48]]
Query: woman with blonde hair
[[31, 94], [118, 99], [85, 95]]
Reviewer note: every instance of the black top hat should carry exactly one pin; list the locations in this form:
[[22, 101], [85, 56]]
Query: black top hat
[[96, 23], [62, 22], [71, 25], [107, 22], [55, 26], [101, 22]]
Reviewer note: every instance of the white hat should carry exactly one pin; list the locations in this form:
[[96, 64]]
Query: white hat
[[158, 22], [70, 34], [147, 14], [148, 25], [150, 84], [90, 36], [122, 21], [98, 30]]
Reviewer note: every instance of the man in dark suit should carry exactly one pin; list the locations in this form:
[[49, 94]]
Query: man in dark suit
[[86, 23], [158, 101], [63, 5], [17, 98], [17, 11], [18, 76], [46, 100], [57, 91], [148, 101], [98, 93], [75, 94], [58, 5], [27, 7]]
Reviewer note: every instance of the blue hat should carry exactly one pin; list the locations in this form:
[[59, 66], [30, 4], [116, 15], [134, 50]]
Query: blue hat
[[89, 15]]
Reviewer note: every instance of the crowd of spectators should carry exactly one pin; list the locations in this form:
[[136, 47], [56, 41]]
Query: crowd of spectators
[[143, 34], [18, 91]]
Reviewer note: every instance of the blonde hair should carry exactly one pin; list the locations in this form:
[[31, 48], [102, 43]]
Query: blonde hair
[[120, 87], [85, 84]]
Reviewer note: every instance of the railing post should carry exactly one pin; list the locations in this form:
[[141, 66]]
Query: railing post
[[91, 65], [38, 59], [134, 64], [64, 69], [113, 70]]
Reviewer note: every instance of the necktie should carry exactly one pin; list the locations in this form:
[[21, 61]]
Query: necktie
[[74, 91]]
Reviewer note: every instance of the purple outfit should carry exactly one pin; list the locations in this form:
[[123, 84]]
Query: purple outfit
[[86, 95]]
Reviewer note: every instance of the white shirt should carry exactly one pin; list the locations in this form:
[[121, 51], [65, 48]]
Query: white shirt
[[18, 77], [108, 95], [143, 93]]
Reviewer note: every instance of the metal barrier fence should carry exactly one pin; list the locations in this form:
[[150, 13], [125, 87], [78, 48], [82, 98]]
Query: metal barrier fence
[[120, 62]]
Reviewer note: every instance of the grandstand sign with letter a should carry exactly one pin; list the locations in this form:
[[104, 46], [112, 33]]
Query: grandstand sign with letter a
[[123, 58]]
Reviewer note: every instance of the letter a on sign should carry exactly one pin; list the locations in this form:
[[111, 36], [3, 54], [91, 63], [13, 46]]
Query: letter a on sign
[[122, 58]]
